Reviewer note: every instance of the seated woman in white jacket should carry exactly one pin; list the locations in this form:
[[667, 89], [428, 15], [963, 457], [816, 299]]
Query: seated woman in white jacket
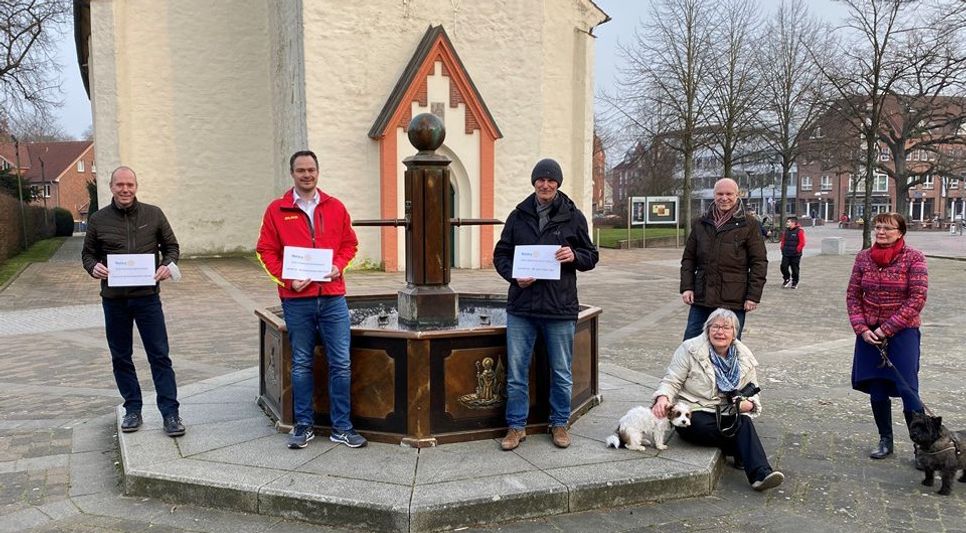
[[706, 371]]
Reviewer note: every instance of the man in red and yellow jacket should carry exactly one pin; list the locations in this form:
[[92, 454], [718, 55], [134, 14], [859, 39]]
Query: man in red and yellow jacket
[[306, 217]]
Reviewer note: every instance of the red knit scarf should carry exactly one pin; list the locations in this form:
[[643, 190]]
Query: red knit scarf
[[885, 255]]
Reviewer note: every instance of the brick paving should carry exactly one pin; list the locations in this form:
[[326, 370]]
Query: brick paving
[[56, 392]]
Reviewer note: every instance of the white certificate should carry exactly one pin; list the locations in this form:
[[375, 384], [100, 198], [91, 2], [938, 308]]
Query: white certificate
[[307, 263], [536, 261], [130, 270]]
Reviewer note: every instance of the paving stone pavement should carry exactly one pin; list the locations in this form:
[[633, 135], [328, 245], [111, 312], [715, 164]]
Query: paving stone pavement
[[57, 440]]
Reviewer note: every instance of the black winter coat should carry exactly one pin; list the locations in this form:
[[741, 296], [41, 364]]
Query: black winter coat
[[139, 229], [554, 299], [726, 266]]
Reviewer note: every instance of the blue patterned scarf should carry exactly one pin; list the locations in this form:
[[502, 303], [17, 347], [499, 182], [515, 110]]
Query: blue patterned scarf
[[727, 371]]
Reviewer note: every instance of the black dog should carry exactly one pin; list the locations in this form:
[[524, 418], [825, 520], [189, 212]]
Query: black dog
[[938, 449]]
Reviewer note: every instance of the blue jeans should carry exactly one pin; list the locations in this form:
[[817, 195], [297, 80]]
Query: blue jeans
[[699, 315], [521, 335], [120, 315], [307, 319]]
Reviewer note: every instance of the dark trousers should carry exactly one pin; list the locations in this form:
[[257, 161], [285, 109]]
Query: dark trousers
[[699, 314], [793, 264], [120, 315], [745, 444]]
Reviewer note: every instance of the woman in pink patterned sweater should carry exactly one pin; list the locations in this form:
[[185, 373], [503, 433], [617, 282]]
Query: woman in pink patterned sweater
[[886, 293]]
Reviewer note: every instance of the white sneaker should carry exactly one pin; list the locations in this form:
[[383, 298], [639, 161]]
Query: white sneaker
[[770, 481], [787, 284]]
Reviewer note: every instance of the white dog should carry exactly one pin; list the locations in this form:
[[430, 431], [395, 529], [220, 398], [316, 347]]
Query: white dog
[[639, 426]]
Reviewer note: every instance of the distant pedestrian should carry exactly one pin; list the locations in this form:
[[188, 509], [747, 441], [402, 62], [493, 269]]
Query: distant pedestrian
[[127, 226], [792, 243], [724, 262], [886, 293]]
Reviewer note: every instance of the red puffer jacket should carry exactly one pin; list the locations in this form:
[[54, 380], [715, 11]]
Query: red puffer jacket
[[284, 224]]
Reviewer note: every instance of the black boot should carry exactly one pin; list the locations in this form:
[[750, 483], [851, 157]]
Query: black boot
[[915, 447], [882, 413], [883, 450]]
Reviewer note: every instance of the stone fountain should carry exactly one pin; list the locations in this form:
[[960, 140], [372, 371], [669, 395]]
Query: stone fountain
[[428, 363]]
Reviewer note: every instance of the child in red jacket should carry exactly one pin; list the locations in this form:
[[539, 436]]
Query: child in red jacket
[[792, 243]]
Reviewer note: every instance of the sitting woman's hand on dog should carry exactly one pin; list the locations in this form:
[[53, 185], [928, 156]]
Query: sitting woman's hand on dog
[[660, 407]]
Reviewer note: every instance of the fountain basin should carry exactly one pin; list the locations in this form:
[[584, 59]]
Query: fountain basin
[[427, 387]]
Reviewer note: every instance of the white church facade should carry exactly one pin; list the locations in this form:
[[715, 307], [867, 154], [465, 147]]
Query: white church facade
[[207, 100]]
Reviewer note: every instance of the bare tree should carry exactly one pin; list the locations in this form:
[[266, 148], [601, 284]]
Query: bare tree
[[735, 92], [794, 90], [664, 82], [39, 127], [867, 66], [926, 109], [29, 76]]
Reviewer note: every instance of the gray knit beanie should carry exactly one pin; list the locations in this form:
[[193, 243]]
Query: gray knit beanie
[[547, 168]]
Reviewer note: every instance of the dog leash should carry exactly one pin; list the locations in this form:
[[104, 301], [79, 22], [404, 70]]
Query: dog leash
[[886, 363]]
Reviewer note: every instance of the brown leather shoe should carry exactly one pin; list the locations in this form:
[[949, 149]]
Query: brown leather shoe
[[560, 437], [513, 439]]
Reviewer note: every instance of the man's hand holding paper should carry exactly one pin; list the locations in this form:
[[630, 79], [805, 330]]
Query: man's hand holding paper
[[314, 264], [538, 261]]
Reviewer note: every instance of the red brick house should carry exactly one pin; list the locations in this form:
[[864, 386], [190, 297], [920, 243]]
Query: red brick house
[[834, 154], [59, 172]]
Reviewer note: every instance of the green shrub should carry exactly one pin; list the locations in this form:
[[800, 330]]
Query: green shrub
[[64, 222]]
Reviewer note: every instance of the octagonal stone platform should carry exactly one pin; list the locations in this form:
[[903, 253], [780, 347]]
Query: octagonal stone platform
[[232, 457]]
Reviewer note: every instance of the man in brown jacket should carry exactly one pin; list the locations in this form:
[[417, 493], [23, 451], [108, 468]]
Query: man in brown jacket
[[724, 262]]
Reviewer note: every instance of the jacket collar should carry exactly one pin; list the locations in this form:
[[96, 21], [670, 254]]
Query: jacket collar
[[125, 210], [561, 209], [288, 199]]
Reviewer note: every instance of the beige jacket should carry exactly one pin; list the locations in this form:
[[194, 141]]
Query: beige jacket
[[690, 376]]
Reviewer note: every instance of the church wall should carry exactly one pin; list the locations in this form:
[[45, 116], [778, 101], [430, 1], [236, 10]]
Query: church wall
[[520, 54], [287, 76], [181, 94], [206, 101]]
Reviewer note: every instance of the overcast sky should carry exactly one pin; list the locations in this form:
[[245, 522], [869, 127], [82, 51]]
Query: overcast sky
[[75, 116]]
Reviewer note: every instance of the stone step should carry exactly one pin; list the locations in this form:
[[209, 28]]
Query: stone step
[[232, 458]]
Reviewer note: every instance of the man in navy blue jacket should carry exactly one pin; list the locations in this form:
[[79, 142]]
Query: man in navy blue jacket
[[543, 307]]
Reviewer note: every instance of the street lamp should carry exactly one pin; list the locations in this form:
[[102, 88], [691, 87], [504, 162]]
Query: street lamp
[[23, 215], [43, 192]]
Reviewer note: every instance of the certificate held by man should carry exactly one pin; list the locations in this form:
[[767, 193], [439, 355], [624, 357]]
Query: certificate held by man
[[307, 263], [130, 270], [536, 261]]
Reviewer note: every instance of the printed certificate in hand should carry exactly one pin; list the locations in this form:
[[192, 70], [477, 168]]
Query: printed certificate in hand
[[536, 261], [307, 263], [130, 270]]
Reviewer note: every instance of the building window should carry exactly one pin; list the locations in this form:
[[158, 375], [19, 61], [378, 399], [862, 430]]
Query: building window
[[80, 166], [4, 165], [826, 183], [884, 154], [806, 183], [953, 184], [881, 183], [927, 182]]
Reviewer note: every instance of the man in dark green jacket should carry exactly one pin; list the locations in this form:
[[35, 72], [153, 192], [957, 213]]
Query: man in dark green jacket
[[543, 307], [130, 227], [724, 262]]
